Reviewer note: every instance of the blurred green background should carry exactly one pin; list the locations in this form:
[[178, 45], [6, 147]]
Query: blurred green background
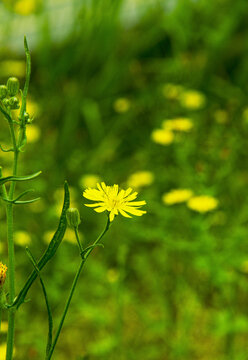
[[106, 75]]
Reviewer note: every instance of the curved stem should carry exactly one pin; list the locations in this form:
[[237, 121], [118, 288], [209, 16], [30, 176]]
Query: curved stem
[[73, 289]]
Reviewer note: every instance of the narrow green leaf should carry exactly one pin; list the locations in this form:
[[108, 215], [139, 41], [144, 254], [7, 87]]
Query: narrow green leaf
[[49, 312], [18, 178], [23, 202], [50, 251]]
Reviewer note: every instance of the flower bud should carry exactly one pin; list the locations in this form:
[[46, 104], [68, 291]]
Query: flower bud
[[14, 103], [6, 102], [73, 217], [3, 91], [3, 270], [13, 86]]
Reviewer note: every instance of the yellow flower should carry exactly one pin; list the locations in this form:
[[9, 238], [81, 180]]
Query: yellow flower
[[172, 91], [33, 133], [203, 203], [22, 238], [3, 270], [180, 124], [26, 7], [122, 105], [192, 99], [177, 196], [110, 198], [89, 180], [162, 136], [3, 348], [140, 178], [4, 326]]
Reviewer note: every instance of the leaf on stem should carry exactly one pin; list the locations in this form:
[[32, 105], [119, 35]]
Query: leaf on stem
[[19, 178], [51, 249]]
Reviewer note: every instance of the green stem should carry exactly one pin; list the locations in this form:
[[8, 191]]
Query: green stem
[[78, 240], [11, 251], [73, 289]]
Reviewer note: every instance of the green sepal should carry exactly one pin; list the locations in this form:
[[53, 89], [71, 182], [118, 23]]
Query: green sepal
[[19, 178], [50, 251]]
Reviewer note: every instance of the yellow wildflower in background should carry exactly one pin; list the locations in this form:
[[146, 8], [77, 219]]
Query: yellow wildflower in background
[[3, 348], [203, 203], [114, 200], [4, 327], [22, 238], [192, 99], [172, 91], [122, 105], [140, 179], [3, 271], [177, 196], [13, 67], [33, 133], [26, 7], [162, 136], [89, 180], [179, 124]]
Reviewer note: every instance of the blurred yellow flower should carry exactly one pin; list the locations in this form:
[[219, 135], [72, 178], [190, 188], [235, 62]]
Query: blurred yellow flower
[[114, 200], [4, 326], [221, 116], [3, 348], [140, 179], [22, 238], [162, 136], [172, 91], [89, 180], [179, 124], [26, 7], [202, 203], [33, 133], [13, 67], [192, 99], [177, 196], [122, 105], [32, 107]]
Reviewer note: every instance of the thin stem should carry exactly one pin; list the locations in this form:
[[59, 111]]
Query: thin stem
[[11, 251], [78, 240], [73, 289]]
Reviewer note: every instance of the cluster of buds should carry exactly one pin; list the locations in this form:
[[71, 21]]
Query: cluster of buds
[[8, 94]]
